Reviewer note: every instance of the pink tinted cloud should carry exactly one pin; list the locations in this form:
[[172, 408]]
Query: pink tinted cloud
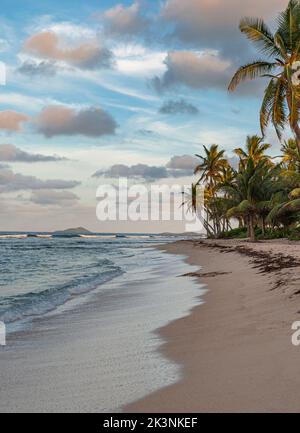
[[122, 20], [48, 45], [59, 120], [199, 14], [215, 23], [12, 120]]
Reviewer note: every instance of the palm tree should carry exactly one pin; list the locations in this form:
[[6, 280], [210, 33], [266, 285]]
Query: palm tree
[[212, 167], [212, 164], [286, 209], [290, 156], [252, 188], [281, 99], [255, 149], [192, 199]]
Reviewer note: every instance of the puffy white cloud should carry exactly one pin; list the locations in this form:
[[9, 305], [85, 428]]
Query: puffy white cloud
[[138, 60]]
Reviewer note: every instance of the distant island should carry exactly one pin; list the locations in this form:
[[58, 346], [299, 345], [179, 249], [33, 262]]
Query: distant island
[[72, 232]]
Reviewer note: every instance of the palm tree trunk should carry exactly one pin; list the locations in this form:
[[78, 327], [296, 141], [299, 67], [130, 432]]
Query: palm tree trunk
[[294, 125], [296, 131], [263, 226], [251, 229]]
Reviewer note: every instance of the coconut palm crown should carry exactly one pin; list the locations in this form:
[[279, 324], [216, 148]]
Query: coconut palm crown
[[255, 149], [281, 101]]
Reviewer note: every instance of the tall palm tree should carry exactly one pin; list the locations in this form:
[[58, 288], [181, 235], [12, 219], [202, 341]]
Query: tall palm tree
[[281, 99], [255, 149], [212, 164], [213, 167]]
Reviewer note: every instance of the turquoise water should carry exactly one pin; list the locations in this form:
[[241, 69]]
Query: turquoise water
[[40, 274]]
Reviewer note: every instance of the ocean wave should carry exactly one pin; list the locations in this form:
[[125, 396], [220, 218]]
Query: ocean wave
[[15, 308], [25, 236], [97, 236], [13, 236]]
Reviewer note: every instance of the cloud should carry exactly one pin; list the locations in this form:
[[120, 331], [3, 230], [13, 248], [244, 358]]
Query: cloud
[[214, 23], [12, 120], [87, 55], [11, 181], [133, 59], [178, 166], [59, 120], [135, 171], [33, 69], [182, 162], [145, 132], [121, 20], [57, 198], [11, 153], [178, 107], [195, 70]]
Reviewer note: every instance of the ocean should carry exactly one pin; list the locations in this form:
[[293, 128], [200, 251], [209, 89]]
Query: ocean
[[39, 274], [82, 316]]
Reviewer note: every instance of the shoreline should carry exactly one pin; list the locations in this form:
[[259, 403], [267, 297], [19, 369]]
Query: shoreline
[[102, 352], [235, 349]]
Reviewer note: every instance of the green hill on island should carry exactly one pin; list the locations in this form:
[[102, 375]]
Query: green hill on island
[[72, 232]]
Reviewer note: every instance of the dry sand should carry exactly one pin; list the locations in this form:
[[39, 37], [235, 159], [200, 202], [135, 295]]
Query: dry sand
[[236, 349]]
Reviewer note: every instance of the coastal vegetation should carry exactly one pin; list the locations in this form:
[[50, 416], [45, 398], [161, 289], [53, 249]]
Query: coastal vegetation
[[261, 195], [258, 196]]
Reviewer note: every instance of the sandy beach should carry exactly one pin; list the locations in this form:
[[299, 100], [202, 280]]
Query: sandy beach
[[236, 349]]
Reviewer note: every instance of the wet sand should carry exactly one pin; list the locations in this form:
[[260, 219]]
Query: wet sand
[[236, 349]]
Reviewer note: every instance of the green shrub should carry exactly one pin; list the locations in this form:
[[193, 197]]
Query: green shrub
[[239, 233], [271, 234], [294, 235]]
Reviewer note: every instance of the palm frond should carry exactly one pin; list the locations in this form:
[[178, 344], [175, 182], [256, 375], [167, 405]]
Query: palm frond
[[250, 71], [288, 25], [266, 106], [279, 116], [258, 32], [280, 44]]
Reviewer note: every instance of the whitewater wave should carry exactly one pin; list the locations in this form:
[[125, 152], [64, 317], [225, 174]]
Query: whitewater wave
[[98, 236], [15, 308], [25, 236], [13, 236]]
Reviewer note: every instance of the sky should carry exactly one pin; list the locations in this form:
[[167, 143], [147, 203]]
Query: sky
[[98, 89]]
